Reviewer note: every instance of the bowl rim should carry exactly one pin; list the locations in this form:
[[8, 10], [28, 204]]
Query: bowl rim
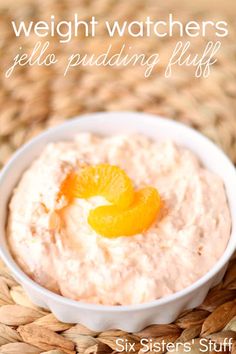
[[25, 279]]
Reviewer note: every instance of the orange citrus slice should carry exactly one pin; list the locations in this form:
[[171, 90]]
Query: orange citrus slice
[[112, 221], [105, 180]]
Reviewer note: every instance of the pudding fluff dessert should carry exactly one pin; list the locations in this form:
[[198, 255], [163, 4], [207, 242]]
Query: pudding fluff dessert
[[110, 248]]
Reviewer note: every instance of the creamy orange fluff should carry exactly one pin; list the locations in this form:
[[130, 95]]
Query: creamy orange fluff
[[54, 243]]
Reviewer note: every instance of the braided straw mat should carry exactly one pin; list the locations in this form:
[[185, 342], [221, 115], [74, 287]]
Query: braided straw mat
[[34, 98]]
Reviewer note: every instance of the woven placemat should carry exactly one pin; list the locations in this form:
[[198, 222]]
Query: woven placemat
[[34, 98]]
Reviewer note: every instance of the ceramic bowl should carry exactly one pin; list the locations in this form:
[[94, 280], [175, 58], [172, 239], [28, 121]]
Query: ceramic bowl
[[133, 317]]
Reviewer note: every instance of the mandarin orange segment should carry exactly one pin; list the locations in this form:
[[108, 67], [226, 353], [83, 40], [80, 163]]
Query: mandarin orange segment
[[105, 180], [112, 221], [68, 187]]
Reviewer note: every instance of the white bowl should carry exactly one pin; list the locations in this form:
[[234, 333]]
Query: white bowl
[[133, 317]]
